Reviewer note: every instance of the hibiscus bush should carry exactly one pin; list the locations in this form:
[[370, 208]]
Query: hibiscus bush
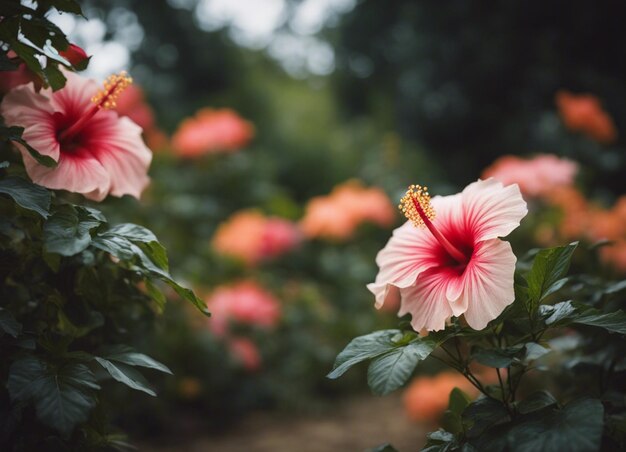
[[77, 291], [554, 339]]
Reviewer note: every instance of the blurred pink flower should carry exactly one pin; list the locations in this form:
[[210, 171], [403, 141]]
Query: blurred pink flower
[[212, 131], [584, 113], [253, 237], [97, 151], [458, 266], [245, 302], [132, 103], [337, 215], [535, 177], [246, 352]]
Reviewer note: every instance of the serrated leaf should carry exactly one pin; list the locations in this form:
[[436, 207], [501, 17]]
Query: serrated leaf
[[362, 348], [63, 397], [68, 231], [549, 267], [8, 324], [126, 355], [15, 134], [133, 232], [126, 375], [388, 372], [27, 195]]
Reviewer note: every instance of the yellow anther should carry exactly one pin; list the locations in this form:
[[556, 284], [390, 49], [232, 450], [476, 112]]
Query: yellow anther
[[113, 87], [417, 197]]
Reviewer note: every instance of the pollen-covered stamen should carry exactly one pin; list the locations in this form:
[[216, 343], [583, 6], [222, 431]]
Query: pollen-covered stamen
[[104, 99], [415, 205], [113, 87]]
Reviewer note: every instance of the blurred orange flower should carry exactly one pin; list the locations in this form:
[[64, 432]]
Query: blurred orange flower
[[426, 398], [537, 176], [244, 302], [336, 216], [212, 131], [246, 352], [252, 237], [584, 113]]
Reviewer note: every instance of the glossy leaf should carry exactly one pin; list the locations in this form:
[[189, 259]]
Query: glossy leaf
[[63, 397], [388, 372], [363, 348], [68, 231], [126, 375], [27, 195], [549, 267]]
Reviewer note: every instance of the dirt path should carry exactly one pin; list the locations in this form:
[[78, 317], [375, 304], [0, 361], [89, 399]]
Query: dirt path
[[353, 425]]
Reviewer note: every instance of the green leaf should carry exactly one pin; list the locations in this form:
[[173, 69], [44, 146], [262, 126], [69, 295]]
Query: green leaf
[[27, 195], [63, 396], [566, 313], [613, 321], [8, 324], [388, 372], [458, 401], [68, 231], [156, 294], [15, 134], [556, 313], [126, 375], [363, 348], [133, 232], [125, 250], [536, 401], [64, 6], [55, 77], [575, 428], [549, 267], [484, 413], [126, 355], [496, 357], [439, 441], [533, 351]]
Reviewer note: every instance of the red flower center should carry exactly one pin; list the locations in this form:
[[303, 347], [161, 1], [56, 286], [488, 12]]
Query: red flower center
[[72, 124], [458, 247]]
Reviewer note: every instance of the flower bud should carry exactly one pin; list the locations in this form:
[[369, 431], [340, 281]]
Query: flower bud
[[76, 56]]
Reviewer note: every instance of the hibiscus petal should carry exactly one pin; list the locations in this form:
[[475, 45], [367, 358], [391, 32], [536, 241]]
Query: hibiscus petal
[[118, 145], [23, 106], [76, 173], [409, 252], [426, 301], [488, 282], [491, 210]]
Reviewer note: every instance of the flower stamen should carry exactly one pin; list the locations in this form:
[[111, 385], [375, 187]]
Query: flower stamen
[[416, 207], [104, 99]]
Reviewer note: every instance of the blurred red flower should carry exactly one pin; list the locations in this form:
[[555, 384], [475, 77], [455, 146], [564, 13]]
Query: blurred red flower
[[584, 113], [336, 216], [252, 237], [246, 352], [245, 302], [536, 176], [212, 131]]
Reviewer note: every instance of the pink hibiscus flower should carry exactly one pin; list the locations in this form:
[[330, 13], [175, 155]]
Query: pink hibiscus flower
[[96, 151], [456, 265]]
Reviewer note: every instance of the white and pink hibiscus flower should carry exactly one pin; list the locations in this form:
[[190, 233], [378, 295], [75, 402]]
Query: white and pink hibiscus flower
[[455, 264], [97, 152]]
